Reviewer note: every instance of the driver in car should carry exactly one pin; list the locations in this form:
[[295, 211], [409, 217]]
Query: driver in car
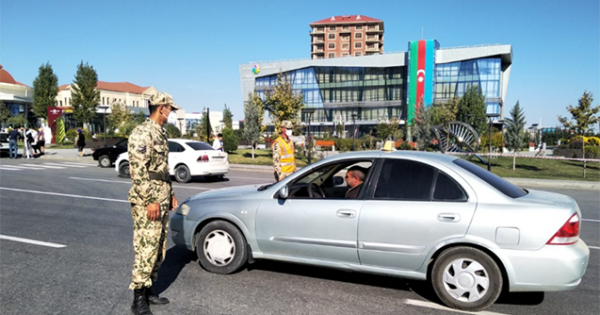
[[355, 178]]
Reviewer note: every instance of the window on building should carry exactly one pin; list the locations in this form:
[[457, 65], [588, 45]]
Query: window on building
[[332, 28], [60, 103], [345, 54], [331, 55], [358, 35], [345, 28], [345, 46], [345, 37], [331, 36], [331, 46], [357, 53], [358, 45], [359, 27]]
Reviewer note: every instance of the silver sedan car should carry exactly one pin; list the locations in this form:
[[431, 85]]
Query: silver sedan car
[[418, 215]]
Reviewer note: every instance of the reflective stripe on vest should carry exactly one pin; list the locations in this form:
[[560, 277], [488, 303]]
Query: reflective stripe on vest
[[287, 159]]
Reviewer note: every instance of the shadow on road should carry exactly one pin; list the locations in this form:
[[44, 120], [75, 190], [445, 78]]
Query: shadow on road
[[175, 261], [521, 298]]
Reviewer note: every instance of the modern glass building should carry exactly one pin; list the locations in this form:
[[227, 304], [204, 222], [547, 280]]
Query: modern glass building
[[371, 89]]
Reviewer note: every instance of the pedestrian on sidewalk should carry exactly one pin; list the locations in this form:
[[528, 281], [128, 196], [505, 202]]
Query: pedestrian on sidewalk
[[80, 141], [27, 142], [41, 141], [13, 137]]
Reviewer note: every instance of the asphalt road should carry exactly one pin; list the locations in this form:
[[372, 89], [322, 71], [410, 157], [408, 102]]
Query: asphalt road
[[83, 208]]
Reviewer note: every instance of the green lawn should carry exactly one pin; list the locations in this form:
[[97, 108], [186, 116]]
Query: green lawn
[[261, 157]]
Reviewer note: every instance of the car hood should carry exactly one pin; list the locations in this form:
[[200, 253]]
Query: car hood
[[229, 193], [547, 198]]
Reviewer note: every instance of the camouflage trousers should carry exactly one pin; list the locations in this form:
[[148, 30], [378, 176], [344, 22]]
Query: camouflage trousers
[[149, 245]]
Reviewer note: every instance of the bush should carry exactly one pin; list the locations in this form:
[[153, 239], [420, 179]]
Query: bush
[[72, 134], [576, 144], [346, 144], [405, 146], [230, 141], [592, 152]]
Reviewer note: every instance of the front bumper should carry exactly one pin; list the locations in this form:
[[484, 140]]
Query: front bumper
[[179, 226], [551, 268]]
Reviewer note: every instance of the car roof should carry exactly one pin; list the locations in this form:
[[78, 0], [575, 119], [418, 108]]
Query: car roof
[[179, 140], [413, 155]]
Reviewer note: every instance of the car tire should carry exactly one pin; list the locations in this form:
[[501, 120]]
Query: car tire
[[182, 174], [474, 287], [221, 248], [104, 161], [124, 170]]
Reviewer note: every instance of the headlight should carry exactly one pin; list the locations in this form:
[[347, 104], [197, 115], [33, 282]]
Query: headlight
[[184, 209]]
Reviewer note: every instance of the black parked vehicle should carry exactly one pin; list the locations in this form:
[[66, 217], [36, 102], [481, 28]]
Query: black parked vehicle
[[108, 155]]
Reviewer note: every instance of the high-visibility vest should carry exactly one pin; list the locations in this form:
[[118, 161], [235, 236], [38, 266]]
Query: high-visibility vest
[[287, 160]]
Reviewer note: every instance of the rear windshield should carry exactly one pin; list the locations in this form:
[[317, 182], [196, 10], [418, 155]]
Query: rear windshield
[[199, 146], [3, 137], [497, 182]]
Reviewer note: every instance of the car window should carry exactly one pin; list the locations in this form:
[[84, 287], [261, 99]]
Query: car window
[[316, 174], [122, 143], [496, 181], [404, 180], [199, 146], [175, 147], [446, 189], [3, 137]]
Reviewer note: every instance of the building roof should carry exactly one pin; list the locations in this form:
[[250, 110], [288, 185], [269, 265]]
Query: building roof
[[114, 86], [340, 19], [6, 77]]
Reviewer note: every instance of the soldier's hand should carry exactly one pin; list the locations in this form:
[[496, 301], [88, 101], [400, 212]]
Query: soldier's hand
[[174, 203], [153, 211]]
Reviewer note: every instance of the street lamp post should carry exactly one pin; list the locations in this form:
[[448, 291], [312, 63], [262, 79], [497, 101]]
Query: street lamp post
[[104, 118], [180, 126], [354, 116], [491, 116], [308, 112], [207, 111]]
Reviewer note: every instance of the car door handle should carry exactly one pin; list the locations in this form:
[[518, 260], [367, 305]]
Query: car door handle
[[346, 213], [452, 217]]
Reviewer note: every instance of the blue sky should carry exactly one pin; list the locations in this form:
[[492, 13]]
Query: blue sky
[[193, 49]]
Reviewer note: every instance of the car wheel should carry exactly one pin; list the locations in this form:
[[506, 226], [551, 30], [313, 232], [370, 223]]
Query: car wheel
[[466, 278], [182, 174], [221, 248], [104, 161], [124, 169]]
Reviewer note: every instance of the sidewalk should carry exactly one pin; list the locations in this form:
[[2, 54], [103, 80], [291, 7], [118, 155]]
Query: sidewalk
[[73, 155]]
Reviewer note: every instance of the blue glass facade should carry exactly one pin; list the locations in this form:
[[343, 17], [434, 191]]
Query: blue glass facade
[[339, 92], [452, 79]]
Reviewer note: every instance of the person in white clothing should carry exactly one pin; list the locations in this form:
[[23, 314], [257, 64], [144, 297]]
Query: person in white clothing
[[27, 142], [218, 143]]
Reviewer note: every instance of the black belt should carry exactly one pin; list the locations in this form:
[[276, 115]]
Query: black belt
[[163, 176]]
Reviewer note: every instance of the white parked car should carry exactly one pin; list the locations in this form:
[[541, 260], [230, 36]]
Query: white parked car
[[187, 158]]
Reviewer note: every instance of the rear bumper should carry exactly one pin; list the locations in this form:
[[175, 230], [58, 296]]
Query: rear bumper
[[552, 268], [209, 170]]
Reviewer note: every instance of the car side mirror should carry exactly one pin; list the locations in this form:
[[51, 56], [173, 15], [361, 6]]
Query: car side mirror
[[114, 146], [284, 192], [338, 180]]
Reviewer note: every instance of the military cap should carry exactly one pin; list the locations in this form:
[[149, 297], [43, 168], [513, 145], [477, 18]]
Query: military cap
[[287, 124], [163, 98]]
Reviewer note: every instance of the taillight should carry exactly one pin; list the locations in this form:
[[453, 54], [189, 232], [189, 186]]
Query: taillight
[[568, 233], [203, 158]]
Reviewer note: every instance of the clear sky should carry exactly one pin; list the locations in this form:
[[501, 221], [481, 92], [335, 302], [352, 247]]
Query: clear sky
[[193, 49]]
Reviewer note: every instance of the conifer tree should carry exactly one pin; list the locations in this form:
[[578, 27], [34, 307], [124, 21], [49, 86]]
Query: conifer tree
[[45, 89], [85, 96], [253, 114], [583, 115], [515, 136], [227, 117], [471, 109]]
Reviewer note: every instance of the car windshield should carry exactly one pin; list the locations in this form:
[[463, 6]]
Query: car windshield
[[496, 181], [199, 146]]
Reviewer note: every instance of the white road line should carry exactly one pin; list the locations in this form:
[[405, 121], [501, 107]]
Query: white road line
[[594, 247], [9, 169], [61, 164], [253, 178], [77, 163], [23, 167], [28, 241], [129, 182], [440, 307], [590, 220], [60, 194], [44, 166]]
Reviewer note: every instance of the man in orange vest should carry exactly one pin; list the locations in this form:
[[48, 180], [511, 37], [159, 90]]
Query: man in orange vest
[[284, 161]]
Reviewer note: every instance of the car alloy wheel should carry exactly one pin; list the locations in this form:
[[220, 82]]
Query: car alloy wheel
[[219, 248], [466, 278], [104, 161], [182, 174], [124, 170]]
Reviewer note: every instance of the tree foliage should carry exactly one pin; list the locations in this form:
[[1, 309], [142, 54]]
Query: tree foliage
[[421, 126], [227, 117], [282, 104], [4, 113], [444, 113], [515, 136], [583, 115], [230, 141], [201, 130], [45, 89], [17, 121], [172, 131], [60, 130], [389, 129], [119, 115], [85, 96], [253, 113], [471, 109]]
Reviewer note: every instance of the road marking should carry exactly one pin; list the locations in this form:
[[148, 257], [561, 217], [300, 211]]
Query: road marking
[[28, 241], [44, 166], [440, 307], [590, 220], [56, 164], [23, 167], [77, 163], [253, 178], [3, 167], [594, 247], [60, 194], [129, 182]]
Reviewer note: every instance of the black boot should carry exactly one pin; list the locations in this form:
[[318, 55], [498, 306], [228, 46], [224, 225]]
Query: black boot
[[155, 299], [140, 306]]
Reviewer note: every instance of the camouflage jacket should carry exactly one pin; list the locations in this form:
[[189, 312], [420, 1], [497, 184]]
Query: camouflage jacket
[[148, 151]]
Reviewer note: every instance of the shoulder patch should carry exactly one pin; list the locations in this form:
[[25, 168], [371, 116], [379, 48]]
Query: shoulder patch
[[142, 149]]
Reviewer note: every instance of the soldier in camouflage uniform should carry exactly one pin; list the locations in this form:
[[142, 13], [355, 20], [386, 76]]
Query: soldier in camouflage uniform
[[283, 152], [151, 198]]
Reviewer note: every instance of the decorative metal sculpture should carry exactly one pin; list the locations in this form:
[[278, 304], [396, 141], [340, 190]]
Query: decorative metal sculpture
[[457, 136]]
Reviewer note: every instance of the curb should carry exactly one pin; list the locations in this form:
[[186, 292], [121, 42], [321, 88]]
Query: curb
[[553, 183]]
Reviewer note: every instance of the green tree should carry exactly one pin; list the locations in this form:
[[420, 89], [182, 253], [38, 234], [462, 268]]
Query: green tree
[[45, 89], [389, 129], [583, 114], [60, 130], [471, 109], [4, 113], [227, 117], [85, 95], [201, 131], [421, 126], [17, 121], [230, 141], [444, 113], [252, 118], [119, 115], [172, 131], [282, 104], [515, 136]]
